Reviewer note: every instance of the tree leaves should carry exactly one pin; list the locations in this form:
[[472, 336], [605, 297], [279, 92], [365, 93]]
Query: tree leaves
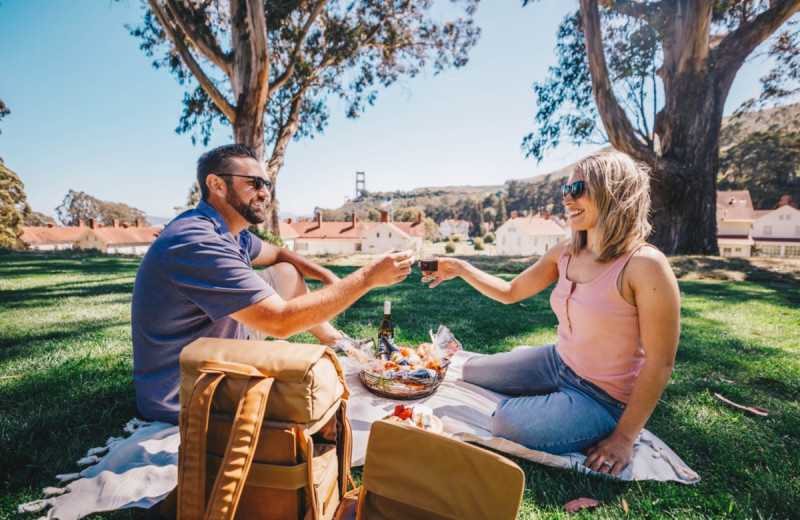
[[13, 206], [78, 206]]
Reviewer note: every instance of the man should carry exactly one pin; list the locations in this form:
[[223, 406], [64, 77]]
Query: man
[[196, 280]]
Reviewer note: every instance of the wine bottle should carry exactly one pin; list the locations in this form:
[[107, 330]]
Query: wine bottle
[[394, 352], [386, 328]]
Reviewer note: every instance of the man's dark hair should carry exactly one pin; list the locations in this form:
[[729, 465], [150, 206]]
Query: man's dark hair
[[216, 161]]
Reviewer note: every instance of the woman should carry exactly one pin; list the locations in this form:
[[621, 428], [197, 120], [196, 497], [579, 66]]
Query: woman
[[618, 309]]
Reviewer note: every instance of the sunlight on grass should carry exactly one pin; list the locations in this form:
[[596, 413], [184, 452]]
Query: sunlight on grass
[[65, 382]]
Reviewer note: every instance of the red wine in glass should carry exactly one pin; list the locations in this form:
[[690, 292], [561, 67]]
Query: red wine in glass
[[429, 266]]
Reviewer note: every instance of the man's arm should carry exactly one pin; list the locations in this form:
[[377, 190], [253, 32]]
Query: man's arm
[[279, 318], [271, 254]]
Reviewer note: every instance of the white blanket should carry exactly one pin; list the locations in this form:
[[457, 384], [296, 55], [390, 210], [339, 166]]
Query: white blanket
[[140, 470]]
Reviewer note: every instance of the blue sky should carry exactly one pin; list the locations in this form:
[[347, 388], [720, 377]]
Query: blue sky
[[89, 113]]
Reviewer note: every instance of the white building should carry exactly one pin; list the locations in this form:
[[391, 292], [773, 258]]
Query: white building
[[118, 239], [317, 237], [50, 237], [735, 217], [777, 232], [526, 236], [454, 227]]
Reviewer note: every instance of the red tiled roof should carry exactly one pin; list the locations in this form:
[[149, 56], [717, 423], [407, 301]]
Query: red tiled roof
[[736, 205], [122, 235], [285, 230], [51, 235], [331, 230]]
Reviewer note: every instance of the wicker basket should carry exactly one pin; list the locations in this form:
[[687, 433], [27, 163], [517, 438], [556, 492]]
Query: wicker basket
[[401, 389]]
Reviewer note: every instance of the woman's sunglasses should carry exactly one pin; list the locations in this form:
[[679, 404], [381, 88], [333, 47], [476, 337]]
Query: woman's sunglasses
[[258, 182], [576, 189]]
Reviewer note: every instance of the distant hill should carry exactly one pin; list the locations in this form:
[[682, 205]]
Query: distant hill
[[540, 193], [736, 128]]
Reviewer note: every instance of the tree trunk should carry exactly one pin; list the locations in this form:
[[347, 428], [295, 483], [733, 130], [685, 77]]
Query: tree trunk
[[684, 181]]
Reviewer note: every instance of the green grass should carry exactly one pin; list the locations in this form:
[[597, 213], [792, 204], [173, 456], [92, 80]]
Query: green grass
[[65, 385]]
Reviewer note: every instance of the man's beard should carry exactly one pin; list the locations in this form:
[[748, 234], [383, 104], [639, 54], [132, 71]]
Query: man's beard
[[255, 212]]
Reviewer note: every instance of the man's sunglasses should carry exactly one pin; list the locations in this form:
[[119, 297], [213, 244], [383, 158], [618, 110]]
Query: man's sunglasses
[[258, 182], [576, 189]]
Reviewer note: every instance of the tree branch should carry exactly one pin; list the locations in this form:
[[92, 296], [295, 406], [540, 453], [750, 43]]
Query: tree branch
[[639, 10], [200, 37], [260, 52], [616, 123], [176, 35], [285, 135], [293, 58], [693, 30], [737, 45]]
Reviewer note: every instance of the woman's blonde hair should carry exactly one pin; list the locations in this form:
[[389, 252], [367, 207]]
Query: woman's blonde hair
[[620, 189]]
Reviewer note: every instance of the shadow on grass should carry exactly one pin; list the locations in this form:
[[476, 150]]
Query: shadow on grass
[[50, 295], [49, 419], [27, 345]]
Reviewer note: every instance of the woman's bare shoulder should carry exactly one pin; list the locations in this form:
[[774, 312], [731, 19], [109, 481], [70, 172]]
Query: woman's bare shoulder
[[649, 261]]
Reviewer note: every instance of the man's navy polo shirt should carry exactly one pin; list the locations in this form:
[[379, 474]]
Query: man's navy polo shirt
[[192, 278]]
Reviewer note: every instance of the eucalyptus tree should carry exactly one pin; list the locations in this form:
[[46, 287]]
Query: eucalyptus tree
[[79, 206], [267, 69], [13, 206], [652, 77]]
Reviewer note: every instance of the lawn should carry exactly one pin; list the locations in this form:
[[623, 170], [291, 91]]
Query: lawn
[[65, 385]]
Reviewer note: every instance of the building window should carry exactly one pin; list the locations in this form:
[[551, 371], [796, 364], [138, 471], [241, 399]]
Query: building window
[[767, 230], [792, 251], [378, 234], [738, 250], [302, 246], [770, 250], [390, 234]]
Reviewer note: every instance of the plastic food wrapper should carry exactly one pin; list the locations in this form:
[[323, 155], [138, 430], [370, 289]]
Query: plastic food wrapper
[[421, 364]]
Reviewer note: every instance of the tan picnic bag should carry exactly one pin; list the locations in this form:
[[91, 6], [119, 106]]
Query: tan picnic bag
[[264, 431]]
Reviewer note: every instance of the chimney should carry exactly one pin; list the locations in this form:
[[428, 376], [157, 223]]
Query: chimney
[[784, 201], [513, 213], [384, 216], [81, 223], [116, 223], [546, 215], [101, 225], [126, 225], [51, 224], [419, 218], [353, 219], [319, 219], [289, 220], [91, 223], [138, 222]]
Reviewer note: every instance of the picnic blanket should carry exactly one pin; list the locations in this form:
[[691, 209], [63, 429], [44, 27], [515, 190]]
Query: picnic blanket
[[139, 471]]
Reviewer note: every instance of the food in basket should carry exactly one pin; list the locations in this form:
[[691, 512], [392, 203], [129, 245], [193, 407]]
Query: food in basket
[[419, 416], [411, 372]]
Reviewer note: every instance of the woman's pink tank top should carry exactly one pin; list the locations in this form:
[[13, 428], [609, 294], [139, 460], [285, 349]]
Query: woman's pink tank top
[[598, 331]]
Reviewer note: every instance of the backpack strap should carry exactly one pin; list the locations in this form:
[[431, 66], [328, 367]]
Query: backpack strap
[[239, 452], [192, 460]]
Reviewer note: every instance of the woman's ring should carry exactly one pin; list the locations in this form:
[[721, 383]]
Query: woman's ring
[[606, 463]]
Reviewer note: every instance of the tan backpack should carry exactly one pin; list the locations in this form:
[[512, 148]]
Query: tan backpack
[[264, 431]]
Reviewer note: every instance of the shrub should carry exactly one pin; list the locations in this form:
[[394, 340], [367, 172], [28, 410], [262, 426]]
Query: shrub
[[455, 238], [450, 248], [488, 238], [478, 244], [267, 236]]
